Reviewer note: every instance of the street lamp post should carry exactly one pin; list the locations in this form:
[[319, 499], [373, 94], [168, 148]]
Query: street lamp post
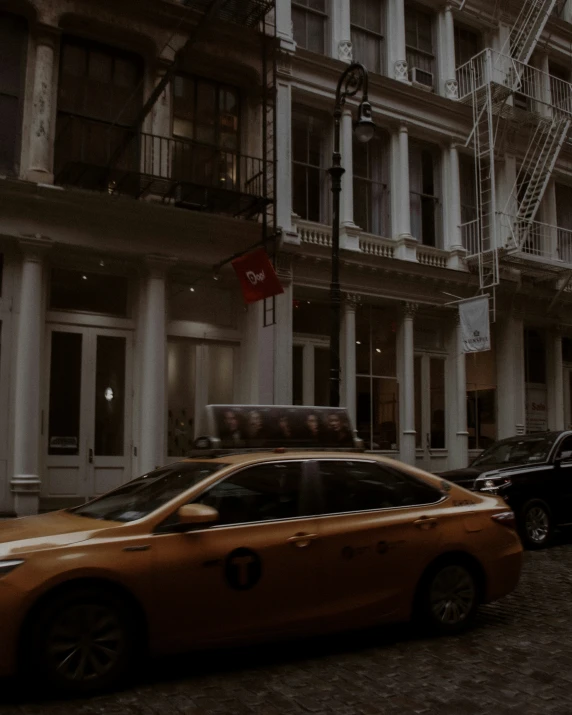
[[353, 79]]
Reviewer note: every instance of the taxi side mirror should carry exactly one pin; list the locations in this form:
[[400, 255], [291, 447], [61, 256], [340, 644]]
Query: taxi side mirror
[[192, 514]]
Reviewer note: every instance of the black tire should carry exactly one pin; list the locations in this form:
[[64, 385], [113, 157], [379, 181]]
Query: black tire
[[448, 596], [536, 524], [81, 641]]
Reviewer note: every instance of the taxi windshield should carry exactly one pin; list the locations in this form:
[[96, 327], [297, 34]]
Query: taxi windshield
[[143, 495], [517, 451]]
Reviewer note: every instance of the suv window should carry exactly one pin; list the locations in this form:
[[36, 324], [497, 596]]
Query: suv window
[[265, 492], [362, 486], [565, 449]]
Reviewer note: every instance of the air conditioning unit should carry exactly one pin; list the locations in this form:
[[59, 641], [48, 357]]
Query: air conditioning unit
[[421, 78]]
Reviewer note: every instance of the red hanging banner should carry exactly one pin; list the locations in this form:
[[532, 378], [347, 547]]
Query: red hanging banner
[[257, 277]]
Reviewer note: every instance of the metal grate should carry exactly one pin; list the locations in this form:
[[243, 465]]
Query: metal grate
[[247, 13]]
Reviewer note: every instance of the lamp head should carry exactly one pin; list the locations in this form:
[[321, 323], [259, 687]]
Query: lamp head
[[365, 126]]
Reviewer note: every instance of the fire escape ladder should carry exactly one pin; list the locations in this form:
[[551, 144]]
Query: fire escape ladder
[[483, 143], [537, 166], [528, 27]]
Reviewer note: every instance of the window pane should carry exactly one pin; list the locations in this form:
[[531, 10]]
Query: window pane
[[65, 394], [437, 377], [13, 36], [535, 356], [321, 376], [311, 318], [263, 493], [109, 396], [385, 414], [221, 374], [299, 26], [9, 132], [316, 27], [181, 380], [88, 292], [418, 405], [205, 112], [298, 375], [358, 486], [299, 191]]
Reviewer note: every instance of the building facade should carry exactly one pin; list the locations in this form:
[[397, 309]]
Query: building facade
[[116, 202]]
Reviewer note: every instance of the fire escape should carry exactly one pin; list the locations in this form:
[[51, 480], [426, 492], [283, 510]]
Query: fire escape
[[178, 171], [510, 97]]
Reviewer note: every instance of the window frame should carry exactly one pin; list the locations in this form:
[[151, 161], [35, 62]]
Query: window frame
[[375, 35], [315, 466], [18, 96], [303, 7], [374, 160], [429, 55], [458, 30], [418, 149], [324, 208]]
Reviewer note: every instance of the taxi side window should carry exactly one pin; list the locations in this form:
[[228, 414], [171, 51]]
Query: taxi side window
[[361, 486], [265, 492]]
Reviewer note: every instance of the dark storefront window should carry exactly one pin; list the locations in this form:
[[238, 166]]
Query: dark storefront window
[[534, 356], [88, 292], [13, 45]]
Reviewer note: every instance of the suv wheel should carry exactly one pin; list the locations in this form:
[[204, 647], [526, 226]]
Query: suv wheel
[[448, 597], [536, 524]]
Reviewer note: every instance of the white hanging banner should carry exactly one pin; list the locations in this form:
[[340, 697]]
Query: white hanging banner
[[475, 327]]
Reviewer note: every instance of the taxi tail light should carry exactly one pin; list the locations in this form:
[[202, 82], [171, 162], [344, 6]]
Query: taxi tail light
[[505, 518]]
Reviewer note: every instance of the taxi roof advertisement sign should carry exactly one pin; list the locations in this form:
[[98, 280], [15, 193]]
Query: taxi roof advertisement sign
[[263, 426]]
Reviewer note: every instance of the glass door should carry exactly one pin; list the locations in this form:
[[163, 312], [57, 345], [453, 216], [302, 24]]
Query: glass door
[[86, 425]]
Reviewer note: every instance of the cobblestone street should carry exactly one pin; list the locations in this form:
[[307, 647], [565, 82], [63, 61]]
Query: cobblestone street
[[518, 659]]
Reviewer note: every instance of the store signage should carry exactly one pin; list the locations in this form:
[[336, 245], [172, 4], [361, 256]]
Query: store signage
[[536, 409], [257, 277], [475, 327]]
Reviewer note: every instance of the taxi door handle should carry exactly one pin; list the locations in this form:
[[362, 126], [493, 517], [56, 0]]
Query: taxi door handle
[[301, 540], [426, 522]]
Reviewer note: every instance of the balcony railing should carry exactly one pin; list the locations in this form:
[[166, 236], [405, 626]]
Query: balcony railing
[[180, 171], [542, 240], [530, 83]]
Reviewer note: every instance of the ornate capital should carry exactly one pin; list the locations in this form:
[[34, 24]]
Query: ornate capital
[[158, 265], [451, 89], [345, 51], [35, 247], [409, 310], [352, 300], [401, 71], [284, 63]]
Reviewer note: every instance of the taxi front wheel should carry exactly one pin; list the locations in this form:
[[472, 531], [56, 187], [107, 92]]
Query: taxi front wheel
[[82, 640], [448, 597]]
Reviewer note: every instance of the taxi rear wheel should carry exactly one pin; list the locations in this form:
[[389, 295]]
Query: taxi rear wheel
[[448, 597], [82, 640]]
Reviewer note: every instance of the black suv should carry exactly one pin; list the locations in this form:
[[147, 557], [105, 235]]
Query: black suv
[[533, 473]]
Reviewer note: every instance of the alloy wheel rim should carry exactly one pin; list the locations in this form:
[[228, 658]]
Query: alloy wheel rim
[[85, 642], [537, 524], [452, 595]]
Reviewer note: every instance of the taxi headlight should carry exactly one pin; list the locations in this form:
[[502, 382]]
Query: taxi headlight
[[10, 565]]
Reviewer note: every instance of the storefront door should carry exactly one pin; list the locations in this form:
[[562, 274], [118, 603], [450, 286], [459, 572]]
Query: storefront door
[[87, 416]]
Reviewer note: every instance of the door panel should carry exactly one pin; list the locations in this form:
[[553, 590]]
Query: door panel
[[88, 412], [226, 582], [379, 530]]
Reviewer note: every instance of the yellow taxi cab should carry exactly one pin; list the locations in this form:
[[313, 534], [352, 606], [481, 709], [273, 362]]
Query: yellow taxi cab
[[238, 547]]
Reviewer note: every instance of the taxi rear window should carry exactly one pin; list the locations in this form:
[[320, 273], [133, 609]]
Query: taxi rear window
[[143, 495]]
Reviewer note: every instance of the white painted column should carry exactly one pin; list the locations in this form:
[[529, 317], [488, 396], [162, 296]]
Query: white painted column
[[549, 215], [452, 208], [283, 381], [555, 380], [349, 232], [308, 375], [446, 42], [396, 41], [283, 14], [283, 134], [40, 166], [342, 39], [349, 357], [458, 435], [153, 366], [511, 388], [25, 484], [406, 362], [400, 201]]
